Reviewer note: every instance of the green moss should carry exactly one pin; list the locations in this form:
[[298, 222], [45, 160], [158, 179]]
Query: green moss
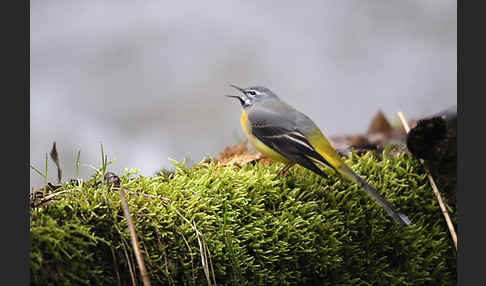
[[259, 229]]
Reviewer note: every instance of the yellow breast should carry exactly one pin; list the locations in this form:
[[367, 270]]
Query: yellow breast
[[259, 145]]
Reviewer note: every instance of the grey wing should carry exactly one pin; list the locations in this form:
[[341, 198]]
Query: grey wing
[[277, 129]]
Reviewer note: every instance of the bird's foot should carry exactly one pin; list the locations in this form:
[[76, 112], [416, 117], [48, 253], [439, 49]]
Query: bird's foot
[[284, 170]]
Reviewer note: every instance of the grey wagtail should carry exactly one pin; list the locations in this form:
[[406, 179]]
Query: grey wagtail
[[284, 134]]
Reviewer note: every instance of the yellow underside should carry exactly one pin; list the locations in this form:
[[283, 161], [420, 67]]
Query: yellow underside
[[262, 148]]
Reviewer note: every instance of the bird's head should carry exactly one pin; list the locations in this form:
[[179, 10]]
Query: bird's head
[[252, 95]]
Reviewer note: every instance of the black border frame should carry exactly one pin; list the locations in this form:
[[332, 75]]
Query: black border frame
[[16, 135], [470, 79]]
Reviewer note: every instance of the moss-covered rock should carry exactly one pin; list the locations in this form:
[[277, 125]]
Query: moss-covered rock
[[254, 229]]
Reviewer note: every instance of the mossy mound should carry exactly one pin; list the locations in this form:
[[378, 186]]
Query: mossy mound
[[254, 229]]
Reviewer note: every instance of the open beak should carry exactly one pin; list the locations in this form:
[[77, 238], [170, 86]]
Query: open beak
[[241, 97], [238, 88], [242, 101]]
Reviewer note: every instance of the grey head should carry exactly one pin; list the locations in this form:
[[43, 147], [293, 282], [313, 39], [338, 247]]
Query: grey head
[[251, 95]]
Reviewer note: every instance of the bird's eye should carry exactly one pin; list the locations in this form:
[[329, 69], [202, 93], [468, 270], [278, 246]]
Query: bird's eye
[[251, 92]]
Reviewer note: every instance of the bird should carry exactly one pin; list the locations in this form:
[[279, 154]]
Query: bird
[[287, 135]]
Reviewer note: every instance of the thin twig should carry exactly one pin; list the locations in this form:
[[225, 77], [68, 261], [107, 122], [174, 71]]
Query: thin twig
[[192, 264], [404, 122], [55, 195], [203, 248], [434, 187], [210, 262], [47, 198], [133, 235], [204, 258], [129, 261]]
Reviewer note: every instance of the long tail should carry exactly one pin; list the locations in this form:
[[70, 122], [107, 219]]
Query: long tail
[[397, 216]]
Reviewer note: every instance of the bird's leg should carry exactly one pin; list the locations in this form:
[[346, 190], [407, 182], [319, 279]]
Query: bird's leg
[[285, 169]]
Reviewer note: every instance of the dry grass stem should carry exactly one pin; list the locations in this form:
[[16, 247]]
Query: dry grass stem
[[47, 198], [133, 235], [129, 262], [210, 262], [192, 263], [202, 250]]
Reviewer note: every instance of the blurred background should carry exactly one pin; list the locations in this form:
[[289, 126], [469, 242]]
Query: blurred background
[[147, 78]]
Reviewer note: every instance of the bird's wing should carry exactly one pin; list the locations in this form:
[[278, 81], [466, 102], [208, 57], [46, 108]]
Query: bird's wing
[[279, 133], [277, 128]]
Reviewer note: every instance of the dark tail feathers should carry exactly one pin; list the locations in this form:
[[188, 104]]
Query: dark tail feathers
[[397, 216]]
